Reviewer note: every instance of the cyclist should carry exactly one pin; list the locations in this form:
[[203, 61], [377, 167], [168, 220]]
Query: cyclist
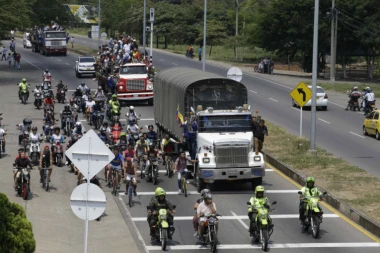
[[130, 152], [46, 161], [130, 174], [181, 167], [117, 164], [167, 146], [152, 153]]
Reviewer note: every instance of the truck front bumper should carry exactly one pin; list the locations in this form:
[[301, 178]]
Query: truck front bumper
[[56, 50], [230, 174], [135, 96]]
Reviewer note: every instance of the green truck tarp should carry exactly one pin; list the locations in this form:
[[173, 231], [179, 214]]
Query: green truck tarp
[[187, 87]]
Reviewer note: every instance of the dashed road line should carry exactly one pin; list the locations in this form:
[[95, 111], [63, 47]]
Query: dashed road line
[[296, 109], [58, 59], [324, 121], [273, 100], [240, 220], [30, 63], [174, 63], [337, 104], [253, 91], [358, 135], [67, 63]]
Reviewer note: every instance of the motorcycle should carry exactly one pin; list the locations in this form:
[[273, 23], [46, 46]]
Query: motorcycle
[[1, 142], [25, 141], [98, 120], [153, 170], [209, 234], [48, 108], [162, 227], [61, 95], [264, 226], [46, 89], [69, 124], [38, 99], [35, 151], [353, 104], [58, 153], [23, 177], [24, 95], [132, 117], [48, 131], [313, 215], [115, 132], [78, 102], [46, 79]]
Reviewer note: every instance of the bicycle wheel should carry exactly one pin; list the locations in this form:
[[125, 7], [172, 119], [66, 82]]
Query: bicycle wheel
[[46, 179], [130, 192], [114, 182], [184, 186]]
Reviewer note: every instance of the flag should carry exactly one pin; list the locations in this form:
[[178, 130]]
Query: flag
[[179, 115]]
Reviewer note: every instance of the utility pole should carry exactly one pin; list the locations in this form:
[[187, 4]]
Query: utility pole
[[204, 37], [314, 78], [242, 55], [99, 25], [237, 25], [333, 44], [144, 31]]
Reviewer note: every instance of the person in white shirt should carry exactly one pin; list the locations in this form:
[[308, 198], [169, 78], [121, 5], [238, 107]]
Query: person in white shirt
[[89, 104], [4, 56], [205, 208], [33, 135], [369, 98], [2, 137]]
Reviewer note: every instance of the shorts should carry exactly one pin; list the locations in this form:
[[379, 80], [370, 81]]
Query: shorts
[[117, 168], [131, 177]]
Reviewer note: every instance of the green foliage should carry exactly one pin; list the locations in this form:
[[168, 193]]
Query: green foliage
[[16, 233], [14, 14]]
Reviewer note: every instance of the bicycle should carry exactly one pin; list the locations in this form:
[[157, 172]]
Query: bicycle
[[184, 182], [113, 181], [130, 191], [140, 163], [45, 178], [168, 165]]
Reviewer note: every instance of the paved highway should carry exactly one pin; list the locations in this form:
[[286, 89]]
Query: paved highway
[[338, 131], [336, 235]]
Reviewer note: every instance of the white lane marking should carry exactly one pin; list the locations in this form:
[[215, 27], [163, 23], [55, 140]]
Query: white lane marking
[[272, 246], [253, 91], [240, 220], [324, 121], [219, 192], [358, 135], [128, 214], [58, 59], [289, 88], [162, 60], [273, 100], [82, 120], [295, 108], [242, 217], [146, 119], [174, 63], [74, 90], [269, 170], [30, 63], [67, 63], [337, 104]]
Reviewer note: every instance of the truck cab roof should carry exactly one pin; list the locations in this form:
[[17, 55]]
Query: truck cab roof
[[223, 112]]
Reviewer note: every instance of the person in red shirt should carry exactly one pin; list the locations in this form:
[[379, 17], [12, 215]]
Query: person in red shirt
[[130, 152], [152, 153], [20, 150], [49, 101]]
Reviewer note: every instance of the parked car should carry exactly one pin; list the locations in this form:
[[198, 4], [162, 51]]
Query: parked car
[[26, 40], [371, 125], [85, 66], [321, 100]]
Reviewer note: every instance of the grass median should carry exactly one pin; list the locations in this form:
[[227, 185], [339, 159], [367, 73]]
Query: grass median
[[348, 183], [84, 50]]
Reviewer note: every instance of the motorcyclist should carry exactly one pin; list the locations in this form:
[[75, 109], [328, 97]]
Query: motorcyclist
[[122, 139], [180, 166], [54, 139], [130, 173], [131, 114], [23, 87], [2, 137], [354, 96], [78, 92], [141, 146], [21, 162], [46, 75], [99, 92], [46, 88], [308, 191], [34, 135], [130, 152], [151, 134], [48, 122], [46, 161], [152, 153], [132, 127], [204, 208], [60, 86], [369, 98], [24, 126], [85, 99], [83, 87], [108, 129], [48, 102], [195, 218], [158, 202], [97, 108], [79, 129], [38, 88], [66, 113], [112, 102], [103, 135], [256, 201], [89, 107], [74, 108]]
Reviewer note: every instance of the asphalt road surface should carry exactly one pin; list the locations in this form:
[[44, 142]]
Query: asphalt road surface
[[338, 131], [336, 234]]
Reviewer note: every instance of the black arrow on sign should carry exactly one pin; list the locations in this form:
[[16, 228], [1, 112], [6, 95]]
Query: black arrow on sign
[[300, 90]]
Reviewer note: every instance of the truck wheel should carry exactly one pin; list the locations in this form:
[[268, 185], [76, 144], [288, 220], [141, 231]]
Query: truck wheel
[[41, 51], [200, 184], [150, 102], [256, 181], [64, 54]]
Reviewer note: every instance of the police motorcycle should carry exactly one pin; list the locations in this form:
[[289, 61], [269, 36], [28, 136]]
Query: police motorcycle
[[38, 96], [263, 222], [162, 226], [24, 94]]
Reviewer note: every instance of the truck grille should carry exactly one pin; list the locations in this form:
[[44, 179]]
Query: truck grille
[[136, 84], [231, 156]]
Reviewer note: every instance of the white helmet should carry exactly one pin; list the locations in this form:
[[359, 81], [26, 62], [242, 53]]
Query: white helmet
[[131, 108], [78, 124]]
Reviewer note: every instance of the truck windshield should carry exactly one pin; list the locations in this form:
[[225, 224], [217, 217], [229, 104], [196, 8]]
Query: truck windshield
[[228, 123], [133, 70], [55, 35]]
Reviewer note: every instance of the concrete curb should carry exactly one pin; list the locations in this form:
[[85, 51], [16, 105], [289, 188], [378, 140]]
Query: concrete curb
[[342, 207]]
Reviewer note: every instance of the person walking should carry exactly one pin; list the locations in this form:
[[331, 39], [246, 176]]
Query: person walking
[[72, 42], [259, 131], [200, 53], [14, 55], [4, 56], [18, 61], [9, 58]]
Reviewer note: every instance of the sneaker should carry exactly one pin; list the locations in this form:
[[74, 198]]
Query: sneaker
[[179, 192], [187, 182], [66, 163], [196, 234]]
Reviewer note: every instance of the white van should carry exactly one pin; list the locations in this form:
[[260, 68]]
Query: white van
[[26, 40]]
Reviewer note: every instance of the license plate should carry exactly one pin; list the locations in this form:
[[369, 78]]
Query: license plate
[[320, 98], [257, 172], [88, 68], [232, 172], [135, 95]]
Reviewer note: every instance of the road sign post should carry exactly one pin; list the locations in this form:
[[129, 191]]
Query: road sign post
[[90, 155], [301, 95]]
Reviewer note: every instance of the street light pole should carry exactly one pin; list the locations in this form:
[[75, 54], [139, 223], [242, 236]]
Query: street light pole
[[144, 31], [236, 29], [314, 78], [204, 38], [333, 39], [99, 25]]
